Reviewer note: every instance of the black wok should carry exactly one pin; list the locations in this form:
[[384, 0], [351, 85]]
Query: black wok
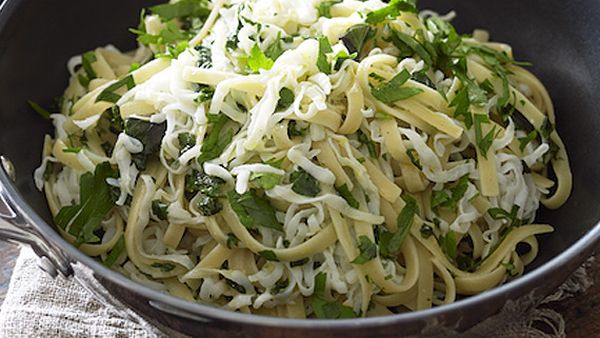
[[560, 38]]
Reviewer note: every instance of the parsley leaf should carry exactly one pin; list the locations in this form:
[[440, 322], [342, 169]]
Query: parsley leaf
[[150, 134], [448, 244], [324, 309], [186, 142], [217, 140], [95, 203], [269, 255], [73, 150], [392, 91], [510, 217], [44, 113], [371, 145], [258, 60], [115, 253], [254, 210], [199, 182], [164, 267], [405, 42], [483, 142], [171, 34], [462, 104], [404, 222], [547, 128], [322, 62], [286, 98], [205, 93], [524, 141], [368, 250], [413, 156], [159, 209], [182, 8], [391, 11], [266, 180], [356, 38], [232, 241], [304, 183], [275, 50], [109, 94], [324, 7], [347, 195], [442, 199], [87, 59]]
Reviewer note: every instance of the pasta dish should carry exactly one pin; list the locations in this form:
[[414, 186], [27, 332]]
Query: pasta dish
[[305, 159]]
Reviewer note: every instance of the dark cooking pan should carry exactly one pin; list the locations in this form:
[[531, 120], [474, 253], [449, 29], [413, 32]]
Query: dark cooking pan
[[560, 39]]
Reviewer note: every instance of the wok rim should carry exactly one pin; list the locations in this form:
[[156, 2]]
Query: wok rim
[[571, 258]]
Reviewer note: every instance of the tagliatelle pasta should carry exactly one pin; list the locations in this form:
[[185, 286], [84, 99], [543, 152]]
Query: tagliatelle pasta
[[306, 159]]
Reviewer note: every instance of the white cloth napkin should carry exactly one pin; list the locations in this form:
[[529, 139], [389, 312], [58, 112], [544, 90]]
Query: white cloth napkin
[[38, 306]]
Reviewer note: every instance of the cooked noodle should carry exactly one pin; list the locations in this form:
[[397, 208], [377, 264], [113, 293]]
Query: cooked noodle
[[292, 160]]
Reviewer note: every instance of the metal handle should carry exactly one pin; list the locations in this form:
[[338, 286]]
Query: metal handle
[[14, 228]]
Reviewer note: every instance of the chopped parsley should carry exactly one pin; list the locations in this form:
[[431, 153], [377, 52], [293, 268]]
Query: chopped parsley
[[484, 142], [286, 98], [186, 142], [181, 9], [304, 183], [371, 146], [324, 309], [164, 267], [441, 199], [448, 244], [216, 140], [232, 241], [357, 37], [324, 7], [524, 141], [159, 210], [509, 217], [115, 252], [368, 250], [110, 93], [390, 243], [266, 181], [393, 91], [413, 156], [254, 210], [96, 201], [391, 11], [269, 255], [347, 195], [44, 113], [257, 60], [209, 188], [322, 62], [150, 134]]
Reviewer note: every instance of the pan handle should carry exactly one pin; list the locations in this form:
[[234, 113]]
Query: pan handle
[[14, 228]]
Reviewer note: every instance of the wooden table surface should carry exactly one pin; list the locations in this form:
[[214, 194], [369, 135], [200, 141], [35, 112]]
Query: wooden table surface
[[581, 313]]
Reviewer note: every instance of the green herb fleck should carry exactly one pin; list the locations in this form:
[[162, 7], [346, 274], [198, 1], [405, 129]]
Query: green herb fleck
[[269, 255], [368, 250], [81, 220], [254, 210], [391, 11], [159, 210], [347, 195], [304, 183], [393, 91], [324, 48], [258, 60]]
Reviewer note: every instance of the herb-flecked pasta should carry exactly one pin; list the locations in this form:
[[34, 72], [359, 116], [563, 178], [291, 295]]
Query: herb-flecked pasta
[[305, 159]]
